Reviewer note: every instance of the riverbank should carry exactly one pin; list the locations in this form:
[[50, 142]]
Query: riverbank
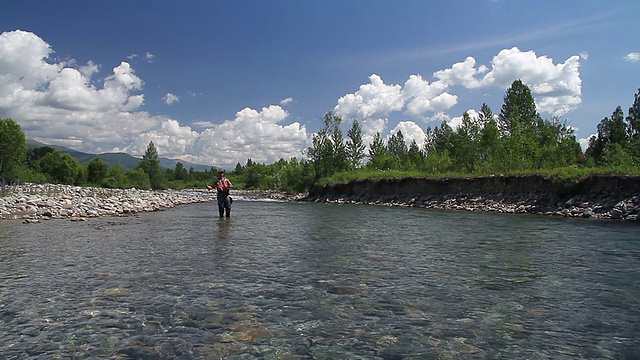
[[35, 202], [597, 197]]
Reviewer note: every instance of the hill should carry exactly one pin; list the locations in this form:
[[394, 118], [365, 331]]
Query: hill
[[127, 161]]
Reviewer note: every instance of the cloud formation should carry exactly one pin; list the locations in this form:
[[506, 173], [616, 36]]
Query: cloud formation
[[286, 101], [170, 98], [62, 103], [59, 104], [410, 131], [557, 88], [632, 57]]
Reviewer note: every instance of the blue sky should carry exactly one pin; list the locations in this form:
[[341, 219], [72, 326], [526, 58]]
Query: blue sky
[[218, 82]]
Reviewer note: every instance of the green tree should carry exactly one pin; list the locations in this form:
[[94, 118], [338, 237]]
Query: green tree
[[518, 111], [397, 148], [97, 170], [238, 169], [116, 178], [136, 178], [180, 173], [441, 140], [610, 131], [415, 157], [60, 168], [151, 165], [328, 153], [466, 144], [486, 115], [13, 148], [519, 121], [319, 153], [379, 157], [338, 157], [616, 156], [633, 118], [355, 146], [35, 154], [489, 142]]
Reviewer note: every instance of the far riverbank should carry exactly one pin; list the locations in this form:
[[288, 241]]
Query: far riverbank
[[597, 197]]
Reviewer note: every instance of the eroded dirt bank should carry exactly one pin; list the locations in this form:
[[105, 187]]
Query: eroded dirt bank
[[615, 197]]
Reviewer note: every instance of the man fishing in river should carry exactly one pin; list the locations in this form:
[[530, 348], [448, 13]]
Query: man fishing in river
[[223, 185]]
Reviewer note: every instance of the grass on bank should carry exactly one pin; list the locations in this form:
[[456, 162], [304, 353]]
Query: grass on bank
[[570, 174]]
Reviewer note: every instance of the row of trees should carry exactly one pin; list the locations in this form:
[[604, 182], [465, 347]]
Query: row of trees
[[46, 164], [617, 142], [517, 139]]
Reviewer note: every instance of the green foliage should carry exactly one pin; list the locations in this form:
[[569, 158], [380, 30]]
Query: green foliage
[[292, 176], [397, 149], [151, 165], [633, 118], [617, 142], [138, 179], [116, 179], [616, 156], [379, 157], [97, 170], [355, 146], [61, 168], [13, 148], [518, 114], [438, 163], [568, 174], [31, 175], [517, 141], [35, 154], [415, 157], [180, 173]]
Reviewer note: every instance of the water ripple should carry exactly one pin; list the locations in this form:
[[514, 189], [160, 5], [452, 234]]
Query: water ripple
[[294, 281]]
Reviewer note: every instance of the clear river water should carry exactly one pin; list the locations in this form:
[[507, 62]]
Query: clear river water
[[288, 280]]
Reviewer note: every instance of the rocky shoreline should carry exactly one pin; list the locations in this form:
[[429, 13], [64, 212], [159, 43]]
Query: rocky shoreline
[[597, 197], [35, 202]]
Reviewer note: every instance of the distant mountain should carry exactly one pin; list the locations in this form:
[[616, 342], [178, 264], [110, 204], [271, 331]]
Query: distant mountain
[[171, 164], [127, 161]]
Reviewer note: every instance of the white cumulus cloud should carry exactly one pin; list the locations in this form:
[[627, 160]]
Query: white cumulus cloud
[[462, 73], [59, 104], [632, 57], [251, 134], [372, 101], [556, 87], [410, 131], [170, 98], [286, 101]]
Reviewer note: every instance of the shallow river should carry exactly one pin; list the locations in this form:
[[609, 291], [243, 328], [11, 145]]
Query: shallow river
[[286, 280]]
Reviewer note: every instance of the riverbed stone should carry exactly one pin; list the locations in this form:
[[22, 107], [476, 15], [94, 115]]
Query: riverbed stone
[[49, 201], [597, 197]]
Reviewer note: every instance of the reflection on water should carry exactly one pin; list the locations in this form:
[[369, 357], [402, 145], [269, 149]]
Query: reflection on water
[[297, 281]]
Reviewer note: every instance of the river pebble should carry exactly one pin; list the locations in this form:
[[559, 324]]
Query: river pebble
[[588, 206], [35, 202]]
